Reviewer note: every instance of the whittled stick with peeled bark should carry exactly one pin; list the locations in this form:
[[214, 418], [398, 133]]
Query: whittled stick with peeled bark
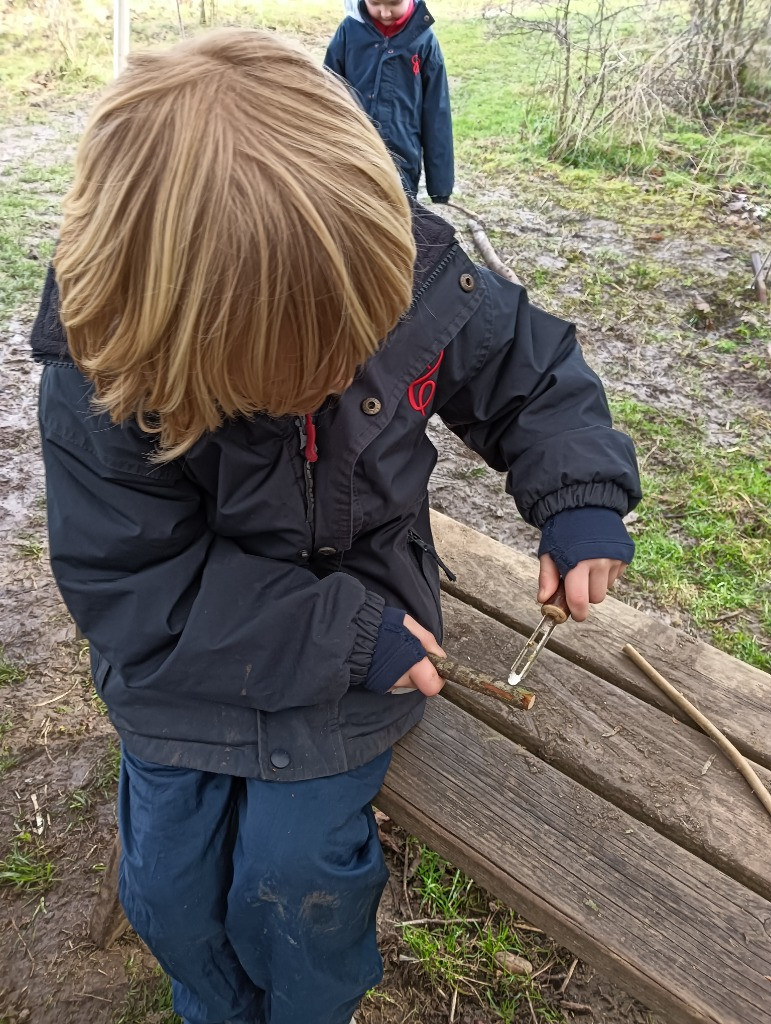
[[514, 696]]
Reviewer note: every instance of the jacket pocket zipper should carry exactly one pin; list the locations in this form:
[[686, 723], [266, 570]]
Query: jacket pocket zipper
[[417, 540]]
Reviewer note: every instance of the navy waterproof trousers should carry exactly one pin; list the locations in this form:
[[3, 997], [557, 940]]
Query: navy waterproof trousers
[[257, 898]]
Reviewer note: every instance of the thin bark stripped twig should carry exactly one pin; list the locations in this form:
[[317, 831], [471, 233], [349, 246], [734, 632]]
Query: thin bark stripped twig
[[733, 755]]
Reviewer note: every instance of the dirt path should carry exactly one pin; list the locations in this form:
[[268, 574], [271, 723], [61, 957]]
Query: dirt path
[[57, 757]]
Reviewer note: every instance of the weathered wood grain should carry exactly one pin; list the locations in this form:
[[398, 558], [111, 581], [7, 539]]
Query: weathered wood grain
[[630, 753], [690, 942], [501, 582]]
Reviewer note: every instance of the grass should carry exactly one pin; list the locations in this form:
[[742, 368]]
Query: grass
[[26, 866], [30, 547], [148, 998], [467, 937], [704, 532], [8, 759], [29, 200], [107, 771], [10, 673]]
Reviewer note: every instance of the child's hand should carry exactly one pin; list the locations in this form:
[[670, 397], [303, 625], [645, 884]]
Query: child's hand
[[422, 676], [586, 584]]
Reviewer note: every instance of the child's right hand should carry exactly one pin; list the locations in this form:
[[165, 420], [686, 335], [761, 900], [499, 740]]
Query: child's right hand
[[422, 676]]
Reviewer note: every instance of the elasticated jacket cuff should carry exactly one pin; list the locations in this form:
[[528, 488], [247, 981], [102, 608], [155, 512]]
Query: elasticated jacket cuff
[[368, 628], [576, 534], [397, 650]]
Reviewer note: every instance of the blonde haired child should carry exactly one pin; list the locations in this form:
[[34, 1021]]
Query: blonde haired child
[[244, 333]]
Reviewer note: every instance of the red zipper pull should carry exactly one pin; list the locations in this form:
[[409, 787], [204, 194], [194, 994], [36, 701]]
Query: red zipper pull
[[311, 452]]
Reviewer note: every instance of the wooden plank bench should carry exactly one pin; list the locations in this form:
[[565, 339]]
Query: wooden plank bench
[[602, 815]]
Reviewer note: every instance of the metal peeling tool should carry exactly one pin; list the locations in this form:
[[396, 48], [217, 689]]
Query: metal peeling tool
[[555, 611]]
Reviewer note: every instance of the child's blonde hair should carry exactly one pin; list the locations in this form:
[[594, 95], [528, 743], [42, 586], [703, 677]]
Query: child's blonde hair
[[236, 239]]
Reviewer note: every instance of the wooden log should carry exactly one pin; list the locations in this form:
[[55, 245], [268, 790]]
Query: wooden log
[[501, 582], [632, 754], [675, 932], [108, 922]]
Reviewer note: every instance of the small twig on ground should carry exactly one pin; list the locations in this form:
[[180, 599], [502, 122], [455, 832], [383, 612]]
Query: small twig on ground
[[22, 940], [761, 272], [532, 1011], [437, 920], [546, 967], [453, 1005], [727, 616], [576, 1007], [733, 755], [404, 874], [568, 977]]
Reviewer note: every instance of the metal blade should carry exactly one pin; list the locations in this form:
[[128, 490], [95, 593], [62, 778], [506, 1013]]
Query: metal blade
[[531, 650]]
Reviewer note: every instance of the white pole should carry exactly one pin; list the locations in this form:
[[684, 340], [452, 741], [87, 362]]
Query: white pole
[[120, 34]]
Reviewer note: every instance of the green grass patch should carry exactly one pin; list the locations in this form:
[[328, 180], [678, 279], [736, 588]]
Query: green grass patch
[[704, 532], [29, 215], [107, 770], [148, 998], [8, 758], [10, 672], [27, 866], [465, 936], [30, 547]]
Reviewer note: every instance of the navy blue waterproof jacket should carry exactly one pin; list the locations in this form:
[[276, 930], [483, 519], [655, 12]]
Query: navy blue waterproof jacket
[[232, 597], [402, 85]]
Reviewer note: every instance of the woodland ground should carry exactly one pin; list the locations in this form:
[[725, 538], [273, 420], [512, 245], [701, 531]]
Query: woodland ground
[[646, 249]]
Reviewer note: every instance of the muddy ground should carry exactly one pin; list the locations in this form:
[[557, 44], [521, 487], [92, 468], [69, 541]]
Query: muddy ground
[[57, 754]]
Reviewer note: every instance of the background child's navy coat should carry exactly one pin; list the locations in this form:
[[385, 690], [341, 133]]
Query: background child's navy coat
[[402, 85]]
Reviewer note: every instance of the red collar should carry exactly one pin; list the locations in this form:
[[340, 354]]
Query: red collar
[[395, 26]]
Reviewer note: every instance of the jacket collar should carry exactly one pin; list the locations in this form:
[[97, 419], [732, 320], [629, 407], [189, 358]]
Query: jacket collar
[[421, 20]]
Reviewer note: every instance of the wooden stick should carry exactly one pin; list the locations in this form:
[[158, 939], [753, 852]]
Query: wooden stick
[[488, 254], [484, 245], [759, 280], [514, 696], [733, 755]]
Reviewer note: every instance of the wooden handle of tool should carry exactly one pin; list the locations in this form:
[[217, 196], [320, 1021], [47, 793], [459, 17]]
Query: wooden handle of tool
[[556, 606]]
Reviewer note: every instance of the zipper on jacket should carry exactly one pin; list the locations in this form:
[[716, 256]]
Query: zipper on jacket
[[307, 430], [417, 540]]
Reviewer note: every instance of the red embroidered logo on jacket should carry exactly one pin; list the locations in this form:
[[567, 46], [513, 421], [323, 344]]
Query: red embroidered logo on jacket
[[422, 390], [416, 64]]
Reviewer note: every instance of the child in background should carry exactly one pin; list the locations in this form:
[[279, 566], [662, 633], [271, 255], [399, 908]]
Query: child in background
[[391, 57], [246, 330]]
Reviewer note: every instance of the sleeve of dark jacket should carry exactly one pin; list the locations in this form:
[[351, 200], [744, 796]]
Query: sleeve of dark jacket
[[166, 601], [436, 125], [525, 400], [335, 55]]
